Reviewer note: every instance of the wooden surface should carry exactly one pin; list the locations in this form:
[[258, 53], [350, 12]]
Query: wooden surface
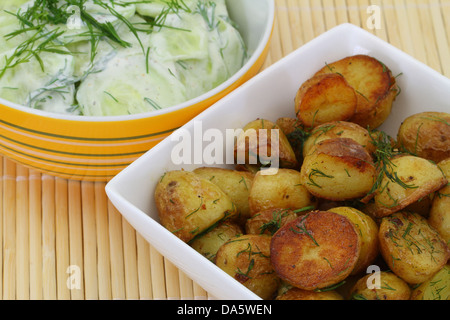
[[63, 239]]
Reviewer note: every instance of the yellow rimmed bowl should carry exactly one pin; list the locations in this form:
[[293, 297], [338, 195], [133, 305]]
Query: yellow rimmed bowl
[[98, 148]]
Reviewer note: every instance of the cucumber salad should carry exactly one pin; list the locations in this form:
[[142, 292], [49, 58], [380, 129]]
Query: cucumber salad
[[114, 57]]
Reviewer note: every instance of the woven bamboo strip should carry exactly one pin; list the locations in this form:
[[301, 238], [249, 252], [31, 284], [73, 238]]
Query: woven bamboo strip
[[329, 14], [186, 289], [353, 12], [103, 248], [306, 20], [172, 280], [22, 235], [76, 272], [130, 260], [62, 238], [48, 237], [35, 212], [9, 230], [116, 251], [428, 36], [199, 292], [275, 49], [341, 11], [295, 24], [157, 273], [284, 27], [418, 44], [89, 240], [143, 265], [443, 44]]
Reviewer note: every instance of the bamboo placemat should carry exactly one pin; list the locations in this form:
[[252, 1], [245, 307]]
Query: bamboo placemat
[[64, 240]]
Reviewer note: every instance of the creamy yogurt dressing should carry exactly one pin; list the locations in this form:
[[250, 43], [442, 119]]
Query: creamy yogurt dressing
[[195, 50]]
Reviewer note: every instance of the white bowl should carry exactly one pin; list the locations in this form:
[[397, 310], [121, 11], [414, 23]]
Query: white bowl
[[269, 95]]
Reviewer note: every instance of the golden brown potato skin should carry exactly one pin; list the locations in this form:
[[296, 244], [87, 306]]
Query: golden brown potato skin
[[316, 250], [427, 135], [338, 169], [374, 84], [247, 259], [209, 243], [281, 190], [412, 249], [435, 288], [236, 184], [299, 294], [367, 229], [419, 178], [439, 215], [324, 98], [269, 221], [188, 205], [339, 129], [391, 288], [251, 149]]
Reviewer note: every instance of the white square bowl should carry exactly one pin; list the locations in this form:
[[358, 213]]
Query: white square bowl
[[269, 95]]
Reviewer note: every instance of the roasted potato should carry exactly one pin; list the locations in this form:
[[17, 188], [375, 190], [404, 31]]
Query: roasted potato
[[236, 184], [368, 232], [209, 242], [439, 216], [374, 84], [255, 145], [338, 169], [389, 287], [299, 294], [315, 251], [189, 205], [246, 258], [435, 288], [426, 135], [269, 221], [281, 190], [412, 249], [406, 180], [324, 98], [296, 133], [339, 129]]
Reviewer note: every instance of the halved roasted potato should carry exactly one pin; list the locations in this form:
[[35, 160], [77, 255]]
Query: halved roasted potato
[[208, 243], [281, 190], [189, 205], [368, 232], [405, 180], [261, 143], [427, 135], [324, 98], [439, 216], [236, 184], [339, 129], [315, 251], [247, 259], [374, 84], [412, 249], [338, 169], [299, 294], [269, 221], [435, 288], [381, 285]]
